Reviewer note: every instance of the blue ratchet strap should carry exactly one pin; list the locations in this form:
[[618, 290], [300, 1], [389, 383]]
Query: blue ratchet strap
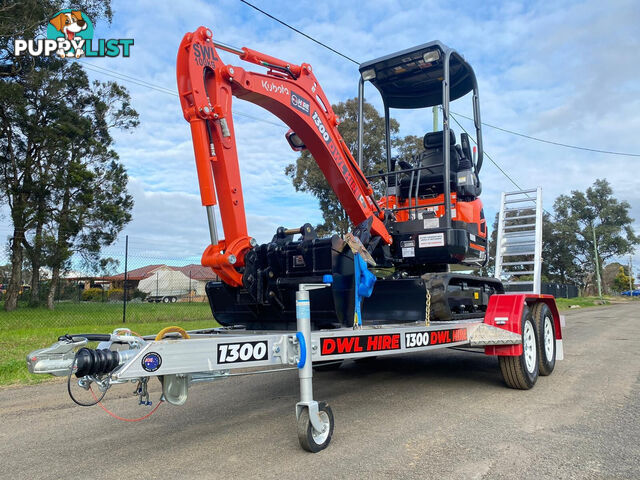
[[364, 281], [303, 349]]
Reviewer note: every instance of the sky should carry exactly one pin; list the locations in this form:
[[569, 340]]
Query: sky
[[564, 71]]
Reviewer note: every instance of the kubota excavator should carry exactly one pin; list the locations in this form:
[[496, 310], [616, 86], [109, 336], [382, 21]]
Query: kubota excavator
[[429, 218]]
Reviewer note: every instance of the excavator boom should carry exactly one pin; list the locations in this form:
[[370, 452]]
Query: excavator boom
[[292, 93]]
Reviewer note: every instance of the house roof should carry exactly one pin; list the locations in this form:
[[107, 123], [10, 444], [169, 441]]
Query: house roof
[[137, 273], [197, 272], [194, 271]]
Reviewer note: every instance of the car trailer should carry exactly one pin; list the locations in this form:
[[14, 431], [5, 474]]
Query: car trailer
[[523, 330]]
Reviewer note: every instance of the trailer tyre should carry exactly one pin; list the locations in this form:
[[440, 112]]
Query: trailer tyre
[[310, 439], [165, 300], [546, 330], [521, 372]]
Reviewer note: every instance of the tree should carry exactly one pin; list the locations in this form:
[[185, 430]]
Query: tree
[[622, 281], [408, 146], [609, 273], [307, 177], [558, 253], [60, 177], [580, 214]]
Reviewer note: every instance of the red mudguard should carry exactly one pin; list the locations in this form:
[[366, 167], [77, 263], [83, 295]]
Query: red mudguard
[[505, 311]]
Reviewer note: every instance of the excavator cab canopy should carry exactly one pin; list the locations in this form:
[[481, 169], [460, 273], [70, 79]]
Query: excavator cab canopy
[[427, 75], [412, 78]]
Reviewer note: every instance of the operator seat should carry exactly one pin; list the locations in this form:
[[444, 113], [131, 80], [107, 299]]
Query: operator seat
[[433, 158]]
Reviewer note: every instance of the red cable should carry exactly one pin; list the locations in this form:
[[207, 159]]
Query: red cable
[[122, 418]]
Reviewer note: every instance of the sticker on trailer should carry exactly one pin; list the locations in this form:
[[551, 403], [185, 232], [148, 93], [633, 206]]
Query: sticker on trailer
[[242, 352], [427, 240], [151, 362], [359, 343], [438, 337]]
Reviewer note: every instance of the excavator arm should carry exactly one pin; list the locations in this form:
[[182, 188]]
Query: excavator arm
[[291, 92]]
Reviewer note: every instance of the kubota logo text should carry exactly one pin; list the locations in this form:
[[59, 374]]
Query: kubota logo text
[[274, 87]]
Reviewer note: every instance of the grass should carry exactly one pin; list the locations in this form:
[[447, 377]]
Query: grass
[[27, 329], [566, 303]]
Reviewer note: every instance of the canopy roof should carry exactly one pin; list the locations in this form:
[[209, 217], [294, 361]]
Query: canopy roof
[[406, 80]]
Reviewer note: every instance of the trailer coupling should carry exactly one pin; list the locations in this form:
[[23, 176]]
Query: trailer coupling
[[61, 359]]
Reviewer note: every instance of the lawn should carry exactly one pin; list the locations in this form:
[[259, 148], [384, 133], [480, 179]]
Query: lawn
[[566, 303], [27, 329]]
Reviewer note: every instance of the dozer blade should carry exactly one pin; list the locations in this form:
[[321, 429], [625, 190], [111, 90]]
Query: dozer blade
[[392, 301], [401, 300]]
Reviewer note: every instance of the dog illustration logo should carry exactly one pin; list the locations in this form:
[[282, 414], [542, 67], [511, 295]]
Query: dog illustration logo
[[74, 28]]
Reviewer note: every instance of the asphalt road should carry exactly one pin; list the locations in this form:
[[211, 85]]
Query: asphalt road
[[433, 415]]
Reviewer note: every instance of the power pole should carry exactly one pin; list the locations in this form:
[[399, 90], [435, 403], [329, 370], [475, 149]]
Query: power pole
[[595, 250], [435, 118], [124, 285]]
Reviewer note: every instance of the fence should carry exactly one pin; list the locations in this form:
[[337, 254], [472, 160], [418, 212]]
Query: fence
[[558, 290], [154, 289]]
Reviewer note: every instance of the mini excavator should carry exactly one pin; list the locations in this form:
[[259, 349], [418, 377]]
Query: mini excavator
[[429, 218]]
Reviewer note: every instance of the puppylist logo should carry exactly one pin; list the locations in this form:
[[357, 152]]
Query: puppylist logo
[[70, 35]]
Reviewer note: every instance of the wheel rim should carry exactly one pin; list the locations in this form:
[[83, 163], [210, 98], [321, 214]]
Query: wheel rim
[[529, 346], [321, 437], [548, 338]]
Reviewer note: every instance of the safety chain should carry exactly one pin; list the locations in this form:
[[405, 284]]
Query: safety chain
[[427, 312]]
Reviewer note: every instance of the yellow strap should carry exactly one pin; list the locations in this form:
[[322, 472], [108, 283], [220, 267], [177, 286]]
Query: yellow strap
[[172, 329]]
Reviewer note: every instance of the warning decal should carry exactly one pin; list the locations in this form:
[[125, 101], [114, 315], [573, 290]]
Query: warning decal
[[431, 240]]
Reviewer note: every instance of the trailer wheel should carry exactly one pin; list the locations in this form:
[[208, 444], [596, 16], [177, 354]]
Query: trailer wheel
[[174, 299], [546, 330], [165, 299], [521, 372], [310, 439]]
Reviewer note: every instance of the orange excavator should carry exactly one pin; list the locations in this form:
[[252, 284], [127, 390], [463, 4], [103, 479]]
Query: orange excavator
[[430, 217]]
